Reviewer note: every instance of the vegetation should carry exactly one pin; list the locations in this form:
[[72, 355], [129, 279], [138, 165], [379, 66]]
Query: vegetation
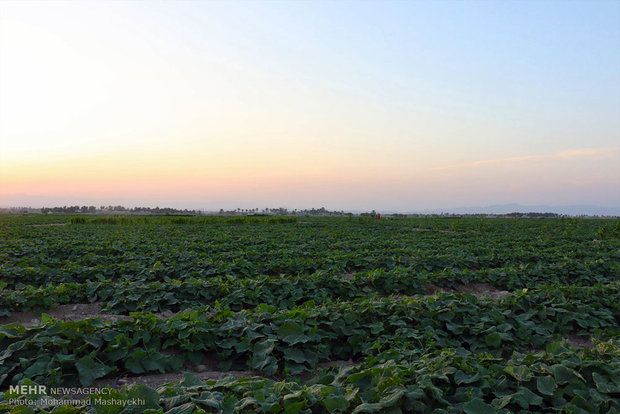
[[328, 314]]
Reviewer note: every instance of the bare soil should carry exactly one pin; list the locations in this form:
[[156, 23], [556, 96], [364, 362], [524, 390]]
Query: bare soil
[[432, 289], [479, 290], [73, 312], [157, 380], [203, 372], [579, 341]]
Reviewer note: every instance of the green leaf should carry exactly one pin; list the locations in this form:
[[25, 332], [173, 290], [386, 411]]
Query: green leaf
[[190, 380], [520, 373], [289, 328], [477, 406], [295, 354], [369, 408], [149, 395], [573, 409], [524, 397], [175, 400], [46, 319], [294, 408], [155, 362], [292, 333], [501, 402], [555, 348], [40, 367], [493, 339], [562, 374], [392, 399], [89, 370], [263, 348], [581, 402], [546, 385], [603, 386], [462, 378], [209, 399], [186, 408], [262, 358], [334, 404], [13, 330]]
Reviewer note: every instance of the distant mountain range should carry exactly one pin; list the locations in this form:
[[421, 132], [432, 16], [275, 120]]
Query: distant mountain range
[[573, 210]]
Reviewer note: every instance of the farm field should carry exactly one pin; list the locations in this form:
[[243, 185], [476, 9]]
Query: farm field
[[307, 314]]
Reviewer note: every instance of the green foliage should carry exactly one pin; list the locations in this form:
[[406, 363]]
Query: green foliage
[[294, 341], [281, 298], [433, 382]]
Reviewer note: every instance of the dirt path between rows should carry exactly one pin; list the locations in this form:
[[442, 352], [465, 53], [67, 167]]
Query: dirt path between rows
[[202, 373], [479, 290], [157, 380], [578, 342], [73, 312]]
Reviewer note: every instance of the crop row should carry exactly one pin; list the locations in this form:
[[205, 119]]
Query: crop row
[[40, 256], [277, 342], [557, 269], [557, 379], [122, 297]]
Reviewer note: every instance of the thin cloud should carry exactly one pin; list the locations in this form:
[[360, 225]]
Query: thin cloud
[[562, 155]]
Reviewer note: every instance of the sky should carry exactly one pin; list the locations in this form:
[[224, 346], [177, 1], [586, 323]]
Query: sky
[[385, 105]]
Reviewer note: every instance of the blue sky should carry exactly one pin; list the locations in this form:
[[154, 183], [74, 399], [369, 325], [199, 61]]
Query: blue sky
[[351, 105]]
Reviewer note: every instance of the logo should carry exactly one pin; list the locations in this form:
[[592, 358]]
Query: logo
[[28, 389]]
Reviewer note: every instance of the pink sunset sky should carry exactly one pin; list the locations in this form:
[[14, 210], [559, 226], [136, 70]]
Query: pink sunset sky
[[349, 105]]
